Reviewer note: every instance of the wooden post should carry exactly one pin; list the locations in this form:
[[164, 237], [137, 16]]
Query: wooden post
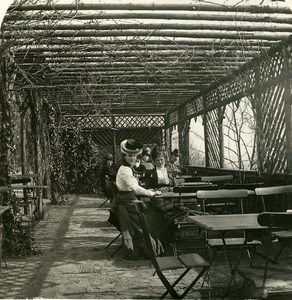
[[114, 139], [205, 120], [288, 112], [221, 136], [23, 143]]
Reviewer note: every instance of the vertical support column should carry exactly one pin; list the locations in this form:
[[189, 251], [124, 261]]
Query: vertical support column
[[288, 112], [114, 139], [259, 122], [221, 136], [205, 124], [23, 143], [183, 138]]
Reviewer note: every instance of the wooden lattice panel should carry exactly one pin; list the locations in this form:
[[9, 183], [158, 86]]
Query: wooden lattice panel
[[138, 121], [173, 118], [271, 130], [213, 139], [195, 106], [271, 67], [92, 122]]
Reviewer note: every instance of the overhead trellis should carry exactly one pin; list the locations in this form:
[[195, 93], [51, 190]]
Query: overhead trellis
[[120, 57]]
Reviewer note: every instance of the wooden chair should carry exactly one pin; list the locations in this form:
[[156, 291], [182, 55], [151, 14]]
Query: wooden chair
[[228, 196], [185, 262], [247, 186], [276, 221], [183, 227], [113, 217], [263, 192]]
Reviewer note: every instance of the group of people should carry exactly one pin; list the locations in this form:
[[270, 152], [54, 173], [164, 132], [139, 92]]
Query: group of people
[[142, 173]]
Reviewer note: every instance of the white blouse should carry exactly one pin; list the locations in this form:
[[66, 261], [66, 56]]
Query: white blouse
[[162, 176], [126, 181]]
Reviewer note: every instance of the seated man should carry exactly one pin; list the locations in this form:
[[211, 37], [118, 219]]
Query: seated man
[[145, 160], [173, 163], [139, 169]]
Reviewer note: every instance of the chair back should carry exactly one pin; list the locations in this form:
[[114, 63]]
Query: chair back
[[217, 178], [275, 219], [246, 186], [222, 194], [274, 190], [112, 189], [141, 208], [194, 188]]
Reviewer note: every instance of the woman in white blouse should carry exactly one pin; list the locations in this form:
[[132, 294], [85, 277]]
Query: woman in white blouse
[[128, 190]]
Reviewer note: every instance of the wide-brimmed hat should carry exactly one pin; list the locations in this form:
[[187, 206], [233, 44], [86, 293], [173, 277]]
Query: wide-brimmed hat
[[131, 146], [175, 152]]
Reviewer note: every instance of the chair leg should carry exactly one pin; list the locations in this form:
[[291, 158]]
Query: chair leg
[[115, 252], [113, 240], [279, 252], [106, 200], [169, 287]]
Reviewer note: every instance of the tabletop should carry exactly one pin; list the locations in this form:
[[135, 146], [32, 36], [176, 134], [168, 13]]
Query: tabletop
[[17, 187], [227, 222], [176, 195]]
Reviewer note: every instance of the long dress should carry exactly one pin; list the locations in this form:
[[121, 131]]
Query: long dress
[[133, 240]]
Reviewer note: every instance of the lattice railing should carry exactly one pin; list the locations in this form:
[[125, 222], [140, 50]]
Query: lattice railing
[[96, 121]]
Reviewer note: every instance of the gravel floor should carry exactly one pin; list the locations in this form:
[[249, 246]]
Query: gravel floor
[[73, 263]]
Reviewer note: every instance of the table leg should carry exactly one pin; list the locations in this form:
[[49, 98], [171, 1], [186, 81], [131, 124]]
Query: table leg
[[233, 270]]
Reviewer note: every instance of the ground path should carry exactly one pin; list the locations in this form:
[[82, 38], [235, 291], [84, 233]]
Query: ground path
[[74, 263]]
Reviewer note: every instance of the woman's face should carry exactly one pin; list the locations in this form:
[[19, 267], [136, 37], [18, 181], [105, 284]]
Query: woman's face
[[159, 162], [131, 159]]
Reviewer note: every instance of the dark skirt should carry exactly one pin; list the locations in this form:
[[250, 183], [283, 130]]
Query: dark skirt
[[133, 239]]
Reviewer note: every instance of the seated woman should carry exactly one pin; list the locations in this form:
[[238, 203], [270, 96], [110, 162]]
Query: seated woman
[[128, 189], [160, 176]]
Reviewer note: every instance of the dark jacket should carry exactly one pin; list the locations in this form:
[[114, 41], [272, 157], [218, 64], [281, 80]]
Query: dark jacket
[[151, 179]]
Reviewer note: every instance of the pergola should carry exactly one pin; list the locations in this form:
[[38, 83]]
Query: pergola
[[141, 68]]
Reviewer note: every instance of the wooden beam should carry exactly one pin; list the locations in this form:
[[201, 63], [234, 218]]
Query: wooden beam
[[122, 40], [162, 5], [174, 15], [196, 25], [208, 34]]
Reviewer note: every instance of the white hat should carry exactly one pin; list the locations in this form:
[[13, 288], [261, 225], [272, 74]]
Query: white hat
[[131, 146]]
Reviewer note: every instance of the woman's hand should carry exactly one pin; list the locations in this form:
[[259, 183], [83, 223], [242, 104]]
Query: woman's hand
[[157, 193]]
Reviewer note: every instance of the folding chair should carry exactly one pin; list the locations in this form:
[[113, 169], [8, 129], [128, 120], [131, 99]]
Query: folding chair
[[283, 237], [190, 204], [216, 243], [113, 217], [185, 262], [276, 221]]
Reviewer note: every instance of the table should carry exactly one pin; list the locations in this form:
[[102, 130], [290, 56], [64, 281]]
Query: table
[[176, 195], [224, 223]]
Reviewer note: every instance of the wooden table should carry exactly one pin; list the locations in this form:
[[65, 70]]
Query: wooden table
[[176, 195], [224, 223]]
